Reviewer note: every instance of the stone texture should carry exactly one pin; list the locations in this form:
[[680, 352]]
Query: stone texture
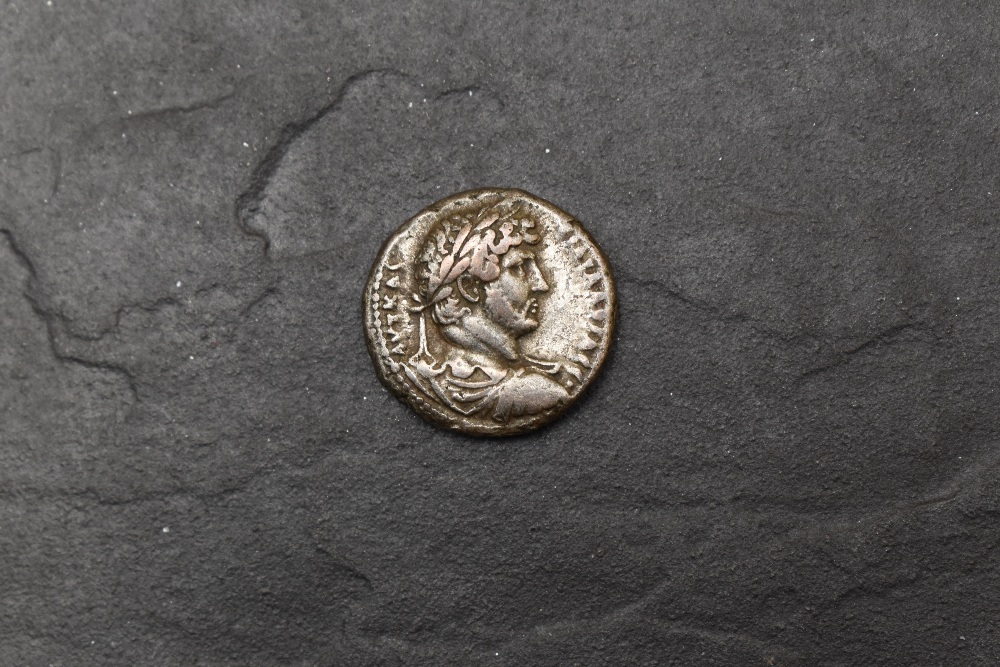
[[790, 459]]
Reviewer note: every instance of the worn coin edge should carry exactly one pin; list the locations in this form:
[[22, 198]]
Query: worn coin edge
[[435, 415]]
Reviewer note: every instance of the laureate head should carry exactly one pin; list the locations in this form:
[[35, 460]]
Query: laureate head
[[482, 279]]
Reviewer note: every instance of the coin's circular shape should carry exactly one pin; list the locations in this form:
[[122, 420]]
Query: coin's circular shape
[[489, 312]]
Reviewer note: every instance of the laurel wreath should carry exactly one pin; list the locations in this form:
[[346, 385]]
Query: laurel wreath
[[476, 250]]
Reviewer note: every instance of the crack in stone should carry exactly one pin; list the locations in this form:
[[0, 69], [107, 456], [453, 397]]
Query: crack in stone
[[963, 482], [249, 200], [349, 570], [671, 291], [885, 337], [151, 307], [57, 170], [270, 291], [48, 319], [165, 112], [464, 91], [19, 253], [21, 153], [57, 326], [624, 614], [731, 317], [931, 501]]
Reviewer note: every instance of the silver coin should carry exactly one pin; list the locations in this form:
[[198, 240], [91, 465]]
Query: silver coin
[[489, 312]]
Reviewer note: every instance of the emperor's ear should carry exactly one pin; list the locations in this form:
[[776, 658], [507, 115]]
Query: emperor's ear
[[468, 287]]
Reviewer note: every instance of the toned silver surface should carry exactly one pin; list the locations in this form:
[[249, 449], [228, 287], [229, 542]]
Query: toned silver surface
[[489, 312]]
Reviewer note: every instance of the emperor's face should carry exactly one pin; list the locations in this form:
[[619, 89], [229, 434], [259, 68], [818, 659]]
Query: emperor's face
[[509, 301]]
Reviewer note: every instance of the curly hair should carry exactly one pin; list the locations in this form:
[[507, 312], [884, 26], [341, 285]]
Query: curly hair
[[469, 246]]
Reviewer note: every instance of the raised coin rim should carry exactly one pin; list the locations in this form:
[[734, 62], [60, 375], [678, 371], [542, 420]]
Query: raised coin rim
[[399, 388]]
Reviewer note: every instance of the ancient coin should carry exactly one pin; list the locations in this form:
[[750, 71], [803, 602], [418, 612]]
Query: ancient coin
[[489, 312]]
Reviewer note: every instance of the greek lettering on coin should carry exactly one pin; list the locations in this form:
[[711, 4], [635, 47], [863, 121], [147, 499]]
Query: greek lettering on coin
[[489, 312]]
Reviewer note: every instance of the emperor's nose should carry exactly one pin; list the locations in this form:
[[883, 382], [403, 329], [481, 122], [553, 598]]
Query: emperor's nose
[[536, 281]]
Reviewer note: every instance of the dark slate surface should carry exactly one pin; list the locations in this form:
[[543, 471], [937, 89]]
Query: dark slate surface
[[791, 458]]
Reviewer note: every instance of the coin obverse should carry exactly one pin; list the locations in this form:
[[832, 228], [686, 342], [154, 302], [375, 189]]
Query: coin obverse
[[489, 312]]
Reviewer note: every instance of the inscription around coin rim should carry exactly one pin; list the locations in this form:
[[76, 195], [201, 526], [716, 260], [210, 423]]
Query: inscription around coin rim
[[472, 262]]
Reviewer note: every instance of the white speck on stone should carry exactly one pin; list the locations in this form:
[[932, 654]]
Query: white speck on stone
[[546, 150], [425, 99], [812, 39], [129, 112], [246, 145], [114, 92], [470, 93], [179, 283], [410, 105], [166, 529], [191, 357]]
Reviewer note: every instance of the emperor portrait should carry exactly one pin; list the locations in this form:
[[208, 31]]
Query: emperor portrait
[[481, 289]]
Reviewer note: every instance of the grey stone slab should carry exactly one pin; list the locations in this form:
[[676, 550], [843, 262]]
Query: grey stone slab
[[790, 459]]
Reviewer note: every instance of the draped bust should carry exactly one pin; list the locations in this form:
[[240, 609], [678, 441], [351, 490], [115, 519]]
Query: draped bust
[[481, 289]]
